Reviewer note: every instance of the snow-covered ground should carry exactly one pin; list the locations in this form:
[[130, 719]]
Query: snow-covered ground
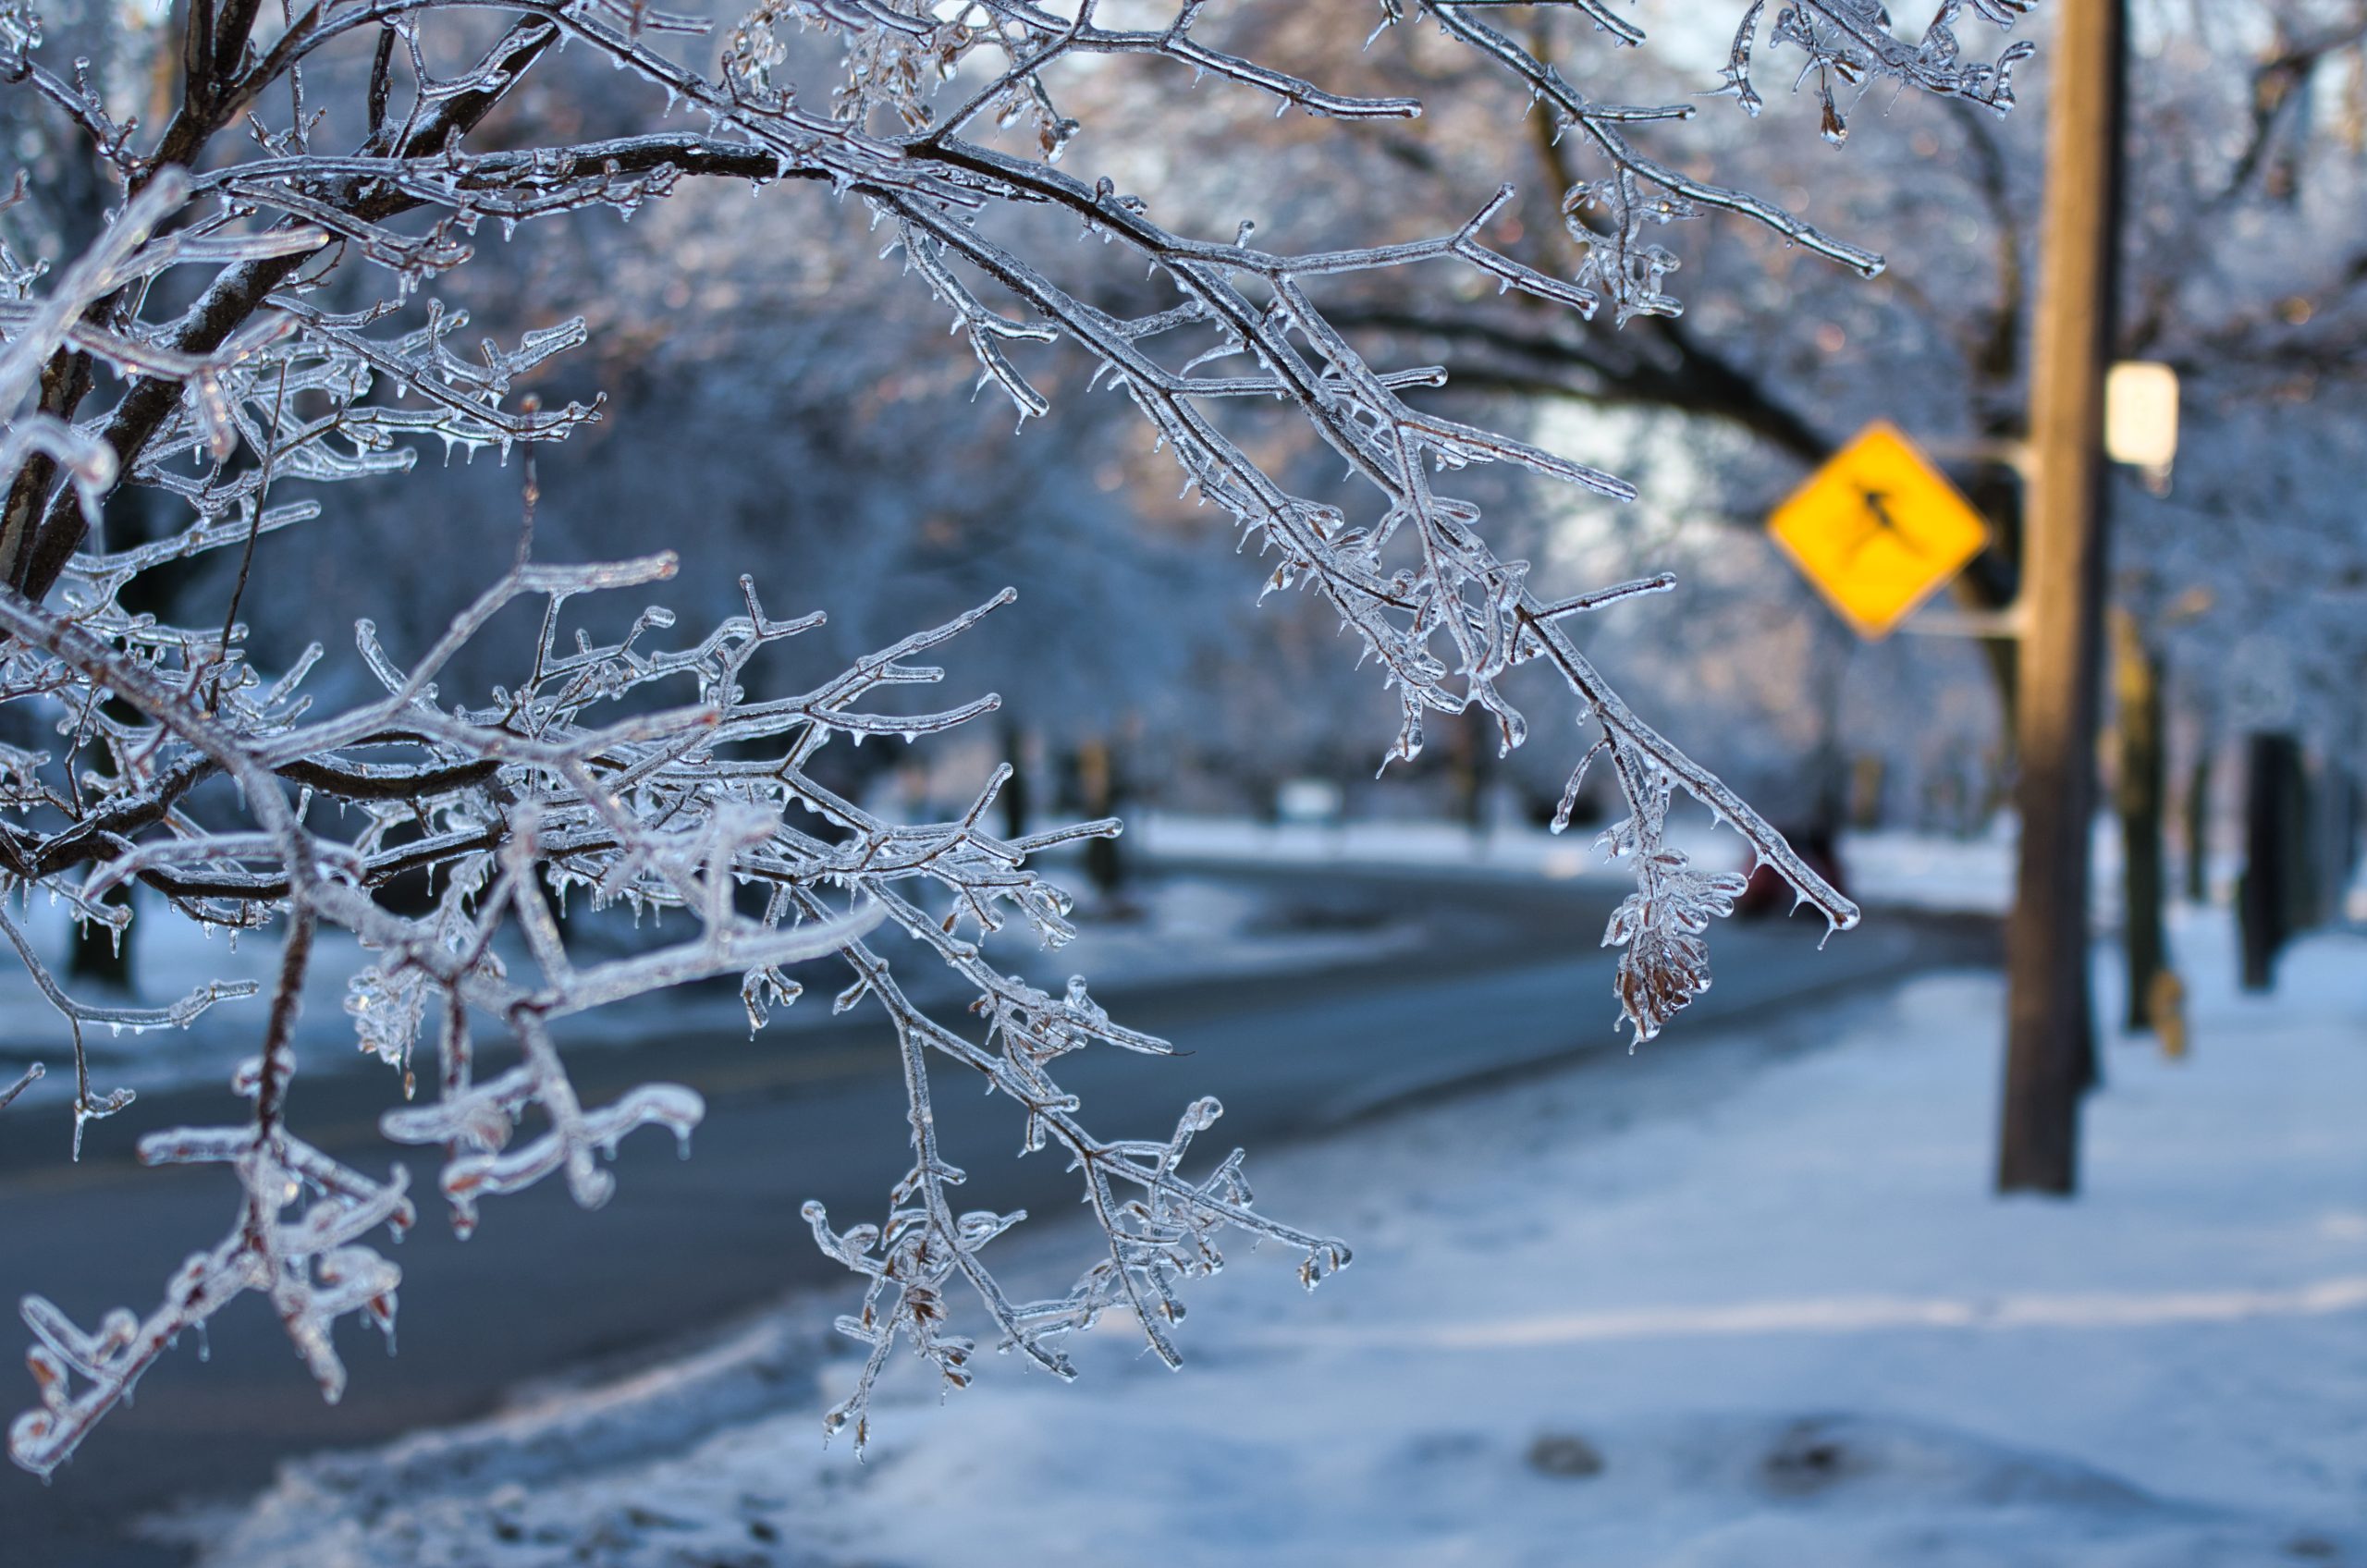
[[1739, 1300]]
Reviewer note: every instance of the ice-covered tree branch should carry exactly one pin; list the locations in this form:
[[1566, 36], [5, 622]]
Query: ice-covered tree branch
[[260, 313]]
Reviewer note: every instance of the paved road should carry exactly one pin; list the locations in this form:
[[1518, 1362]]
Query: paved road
[[1510, 983]]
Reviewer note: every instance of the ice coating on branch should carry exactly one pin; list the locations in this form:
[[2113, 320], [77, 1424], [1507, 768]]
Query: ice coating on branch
[[1665, 963], [1162, 1231], [638, 770], [311, 1265], [542, 789], [1849, 45]]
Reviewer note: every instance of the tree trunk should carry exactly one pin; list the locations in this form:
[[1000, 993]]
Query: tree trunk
[[2266, 898], [1014, 799], [1098, 791], [2198, 828], [2137, 702], [101, 957], [1469, 752]]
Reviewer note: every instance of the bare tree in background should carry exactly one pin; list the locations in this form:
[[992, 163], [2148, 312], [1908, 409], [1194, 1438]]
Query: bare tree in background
[[257, 316]]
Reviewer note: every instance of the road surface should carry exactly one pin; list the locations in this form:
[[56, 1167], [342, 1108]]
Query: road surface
[[1509, 980]]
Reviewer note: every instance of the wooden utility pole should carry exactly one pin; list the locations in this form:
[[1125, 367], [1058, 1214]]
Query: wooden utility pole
[[2050, 1053]]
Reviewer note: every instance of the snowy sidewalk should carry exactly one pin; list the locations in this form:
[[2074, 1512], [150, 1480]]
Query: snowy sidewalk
[[1735, 1302]]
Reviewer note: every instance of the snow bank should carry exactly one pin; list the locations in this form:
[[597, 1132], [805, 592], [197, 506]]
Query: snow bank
[[1886, 868], [1737, 1301]]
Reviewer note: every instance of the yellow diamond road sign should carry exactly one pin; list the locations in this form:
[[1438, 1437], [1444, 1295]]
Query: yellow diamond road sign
[[1878, 529]]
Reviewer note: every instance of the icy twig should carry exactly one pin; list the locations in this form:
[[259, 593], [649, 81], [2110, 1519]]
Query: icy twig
[[22, 1082]]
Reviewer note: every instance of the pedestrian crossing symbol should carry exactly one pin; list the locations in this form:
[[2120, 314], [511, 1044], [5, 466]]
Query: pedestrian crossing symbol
[[1878, 529]]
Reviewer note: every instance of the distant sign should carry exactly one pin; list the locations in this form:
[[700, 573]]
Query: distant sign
[[2142, 416], [1878, 529]]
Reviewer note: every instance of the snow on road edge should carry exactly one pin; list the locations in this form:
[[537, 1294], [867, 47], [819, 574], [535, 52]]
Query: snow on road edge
[[1740, 1303]]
